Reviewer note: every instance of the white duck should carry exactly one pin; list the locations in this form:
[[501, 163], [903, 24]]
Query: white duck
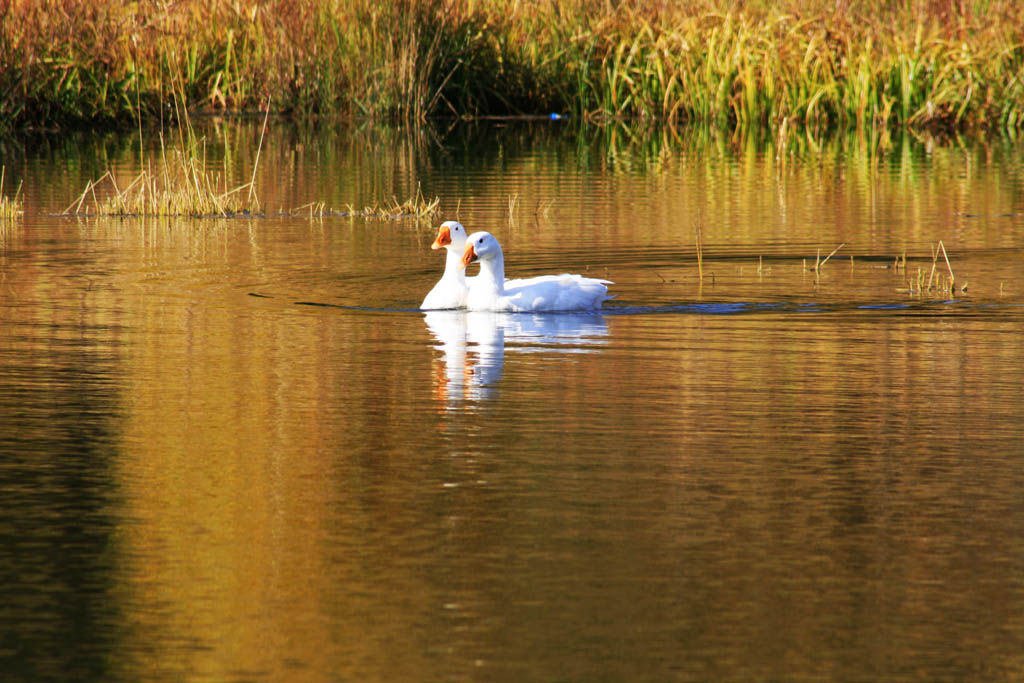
[[453, 287], [490, 291]]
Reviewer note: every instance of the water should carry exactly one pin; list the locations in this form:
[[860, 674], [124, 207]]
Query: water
[[230, 449]]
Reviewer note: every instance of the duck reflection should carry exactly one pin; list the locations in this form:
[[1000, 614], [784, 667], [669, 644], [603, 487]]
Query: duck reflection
[[473, 344]]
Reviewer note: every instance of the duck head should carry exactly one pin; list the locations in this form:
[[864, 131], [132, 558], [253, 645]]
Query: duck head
[[450, 233], [480, 246]]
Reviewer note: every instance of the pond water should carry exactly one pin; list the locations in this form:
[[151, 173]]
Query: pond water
[[233, 449]]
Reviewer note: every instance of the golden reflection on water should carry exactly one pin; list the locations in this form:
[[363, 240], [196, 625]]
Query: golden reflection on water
[[217, 458], [755, 478], [639, 186]]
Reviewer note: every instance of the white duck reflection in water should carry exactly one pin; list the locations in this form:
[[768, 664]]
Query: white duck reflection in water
[[473, 344]]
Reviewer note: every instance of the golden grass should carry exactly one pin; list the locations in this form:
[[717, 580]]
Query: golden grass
[[11, 208], [181, 184], [184, 186], [416, 206], [175, 190]]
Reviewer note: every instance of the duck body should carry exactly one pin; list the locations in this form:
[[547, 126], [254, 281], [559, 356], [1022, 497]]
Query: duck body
[[490, 292], [452, 290]]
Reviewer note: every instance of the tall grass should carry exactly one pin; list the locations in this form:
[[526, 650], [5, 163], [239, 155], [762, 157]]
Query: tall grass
[[820, 64], [817, 63]]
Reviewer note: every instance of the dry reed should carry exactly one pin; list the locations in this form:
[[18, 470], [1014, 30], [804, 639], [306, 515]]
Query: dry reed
[[11, 208], [699, 232], [935, 281], [416, 206], [180, 186]]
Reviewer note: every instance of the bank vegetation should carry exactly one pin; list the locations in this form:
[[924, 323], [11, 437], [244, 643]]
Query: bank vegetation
[[823, 64]]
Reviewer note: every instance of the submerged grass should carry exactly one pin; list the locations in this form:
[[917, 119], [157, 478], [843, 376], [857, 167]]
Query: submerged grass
[[815, 63]]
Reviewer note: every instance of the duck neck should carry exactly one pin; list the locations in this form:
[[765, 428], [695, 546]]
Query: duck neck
[[492, 272], [453, 266]]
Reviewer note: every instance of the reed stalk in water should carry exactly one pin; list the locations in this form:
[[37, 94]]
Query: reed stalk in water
[[935, 281], [819, 264], [10, 207], [513, 202], [952, 278], [699, 230], [833, 253]]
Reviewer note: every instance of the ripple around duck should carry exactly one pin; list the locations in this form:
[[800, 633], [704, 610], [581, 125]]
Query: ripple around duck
[[722, 308]]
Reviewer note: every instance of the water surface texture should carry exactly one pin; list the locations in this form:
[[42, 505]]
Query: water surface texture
[[233, 449]]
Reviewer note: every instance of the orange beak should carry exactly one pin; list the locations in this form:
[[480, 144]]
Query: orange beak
[[444, 238], [468, 256]]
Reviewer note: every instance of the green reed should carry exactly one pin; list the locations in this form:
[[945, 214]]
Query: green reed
[[815, 63], [814, 67]]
